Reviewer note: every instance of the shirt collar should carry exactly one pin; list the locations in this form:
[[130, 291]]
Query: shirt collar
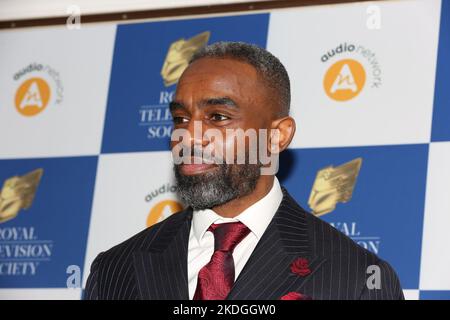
[[256, 217]]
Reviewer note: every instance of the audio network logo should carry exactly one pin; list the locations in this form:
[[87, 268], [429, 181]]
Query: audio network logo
[[41, 85], [347, 77], [156, 117], [162, 204], [336, 184]]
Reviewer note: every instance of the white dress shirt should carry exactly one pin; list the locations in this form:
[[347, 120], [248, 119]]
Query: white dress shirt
[[201, 242]]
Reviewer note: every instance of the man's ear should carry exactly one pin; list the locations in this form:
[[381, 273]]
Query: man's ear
[[286, 130]]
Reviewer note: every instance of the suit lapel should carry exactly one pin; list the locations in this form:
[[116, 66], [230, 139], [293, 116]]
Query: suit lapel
[[267, 274], [161, 267]]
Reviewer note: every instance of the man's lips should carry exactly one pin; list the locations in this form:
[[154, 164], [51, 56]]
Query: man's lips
[[190, 169], [197, 165]]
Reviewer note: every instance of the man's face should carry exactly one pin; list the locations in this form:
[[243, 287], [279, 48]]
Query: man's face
[[220, 95]]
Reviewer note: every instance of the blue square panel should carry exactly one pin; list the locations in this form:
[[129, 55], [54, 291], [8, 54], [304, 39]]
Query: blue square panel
[[434, 295], [137, 116], [44, 221], [441, 111], [385, 211]]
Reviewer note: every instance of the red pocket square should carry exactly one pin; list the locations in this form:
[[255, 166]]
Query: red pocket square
[[295, 296]]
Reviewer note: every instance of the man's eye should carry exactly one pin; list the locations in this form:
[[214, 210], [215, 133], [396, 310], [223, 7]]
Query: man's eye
[[180, 120], [219, 117]]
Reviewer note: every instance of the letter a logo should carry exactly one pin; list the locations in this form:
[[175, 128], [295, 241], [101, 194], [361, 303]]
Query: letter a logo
[[163, 210], [344, 80], [32, 97]]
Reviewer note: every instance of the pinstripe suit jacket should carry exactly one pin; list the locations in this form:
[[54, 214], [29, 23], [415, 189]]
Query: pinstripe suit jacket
[[153, 263]]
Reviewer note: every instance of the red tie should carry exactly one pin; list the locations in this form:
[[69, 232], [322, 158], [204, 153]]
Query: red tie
[[216, 278]]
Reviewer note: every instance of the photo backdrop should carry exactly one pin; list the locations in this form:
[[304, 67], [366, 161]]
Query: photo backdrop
[[85, 130]]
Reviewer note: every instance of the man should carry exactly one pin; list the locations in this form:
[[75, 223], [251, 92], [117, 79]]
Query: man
[[242, 235]]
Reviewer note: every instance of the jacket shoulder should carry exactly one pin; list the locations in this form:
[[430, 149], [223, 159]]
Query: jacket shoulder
[[332, 243], [143, 240], [349, 262], [349, 271], [325, 240], [112, 273]]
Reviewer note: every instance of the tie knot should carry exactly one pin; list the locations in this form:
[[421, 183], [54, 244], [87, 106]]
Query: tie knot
[[228, 235]]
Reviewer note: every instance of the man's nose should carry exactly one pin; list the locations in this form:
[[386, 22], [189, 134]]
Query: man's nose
[[196, 130]]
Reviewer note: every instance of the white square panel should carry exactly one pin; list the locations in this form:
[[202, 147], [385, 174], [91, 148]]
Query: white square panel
[[132, 191], [383, 95], [54, 85], [435, 263], [411, 294], [41, 294]]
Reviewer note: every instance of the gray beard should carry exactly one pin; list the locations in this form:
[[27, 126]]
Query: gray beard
[[221, 185]]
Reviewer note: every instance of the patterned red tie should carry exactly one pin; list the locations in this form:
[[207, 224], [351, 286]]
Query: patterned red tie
[[216, 278]]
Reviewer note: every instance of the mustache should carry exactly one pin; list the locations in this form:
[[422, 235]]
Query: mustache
[[198, 153]]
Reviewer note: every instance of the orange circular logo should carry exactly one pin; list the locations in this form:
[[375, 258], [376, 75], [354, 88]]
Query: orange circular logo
[[162, 210], [32, 97], [344, 80]]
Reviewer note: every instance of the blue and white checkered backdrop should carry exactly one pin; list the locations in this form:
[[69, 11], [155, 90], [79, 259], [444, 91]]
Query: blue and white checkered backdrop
[[84, 132]]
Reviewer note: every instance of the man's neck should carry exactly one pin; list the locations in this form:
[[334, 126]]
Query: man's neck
[[234, 207]]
